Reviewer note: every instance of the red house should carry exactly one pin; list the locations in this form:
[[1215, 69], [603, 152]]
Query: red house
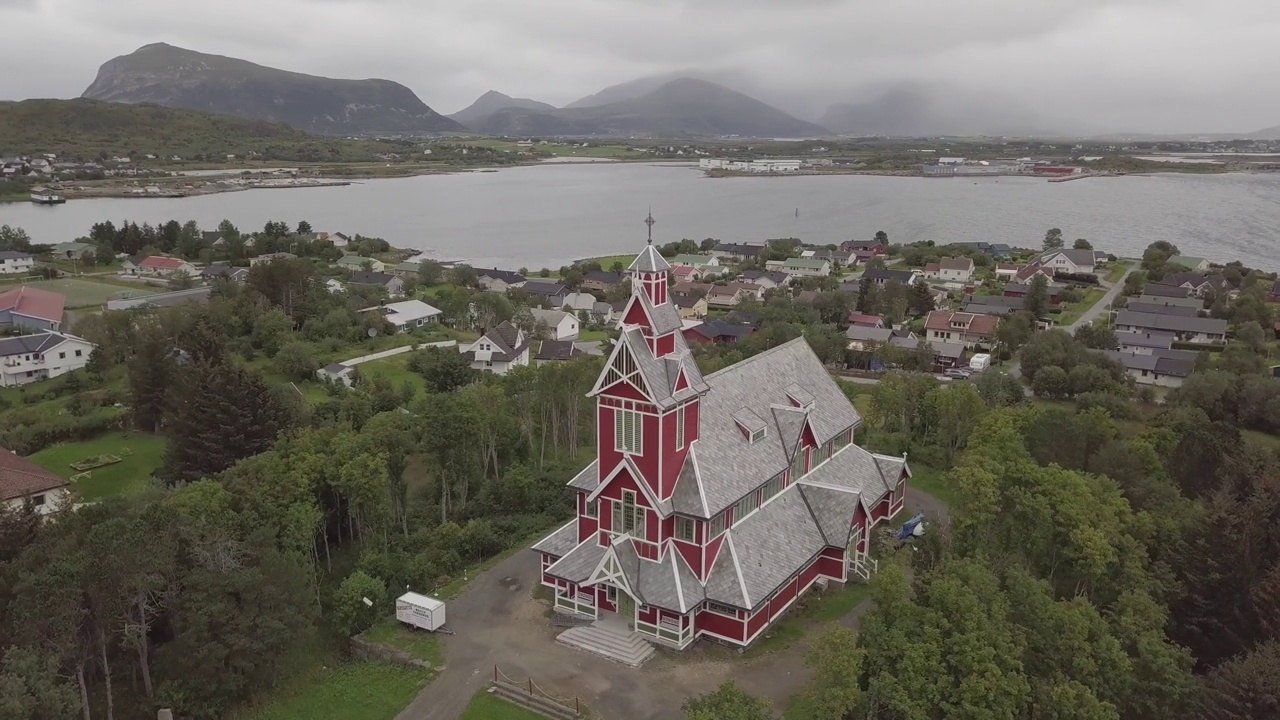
[[714, 501], [867, 248]]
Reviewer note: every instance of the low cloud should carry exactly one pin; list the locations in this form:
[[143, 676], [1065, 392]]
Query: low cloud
[[1104, 65]]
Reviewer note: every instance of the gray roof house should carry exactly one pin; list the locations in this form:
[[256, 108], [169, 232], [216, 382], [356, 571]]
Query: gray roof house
[[1133, 342], [1186, 329], [1166, 368], [1163, 309], [393, 285], [499, 350]]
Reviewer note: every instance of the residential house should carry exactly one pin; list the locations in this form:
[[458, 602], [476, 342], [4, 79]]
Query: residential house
[[31, 358], [861, 337], [872, 247], [1177, 298], [585, 305], [798, 267], [1026, 273], [684, 273], [945, 354], [860, 320], [968, 329], [1273, 295], [951, 269], [1165, 368], [994, 304], [13, 262], [22, 482], [880, 276], [405, 270], [1187, 329], [717, 332], [159, 266], [334, 286], [407, 315], [690, 307], [72, 250], [31, 308], [736, 251], [1007, 271], [835, 257], [198, 295], [212, 238], [1144, 343], [703, 266], [1023, 290], [359, 262], [392, 284], [496, 280], [743, 317], [601, 280], [221, 271], [999, 251], [268, 257], [1102, 258], [1189, 263], [338, 373], [549, 291], [691, 288], [1068, 260], [1163, 309], [1195, 283], [555, 351], [717, 501], [767, 279], [555, 324], [733, 293], [499, 350], [339, 240]]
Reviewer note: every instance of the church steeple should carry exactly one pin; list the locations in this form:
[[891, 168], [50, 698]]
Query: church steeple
[[649, 270]]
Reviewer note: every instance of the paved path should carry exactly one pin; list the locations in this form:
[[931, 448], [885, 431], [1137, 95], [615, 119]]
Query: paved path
[[496, 620], [1100, 306]]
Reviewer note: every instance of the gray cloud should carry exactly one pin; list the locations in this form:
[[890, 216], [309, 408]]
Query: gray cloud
[[1101, 65]]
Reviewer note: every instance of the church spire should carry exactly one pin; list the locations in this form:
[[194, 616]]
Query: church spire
[[650, 221]]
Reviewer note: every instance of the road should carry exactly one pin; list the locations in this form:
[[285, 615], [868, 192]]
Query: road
[[1100, 306]]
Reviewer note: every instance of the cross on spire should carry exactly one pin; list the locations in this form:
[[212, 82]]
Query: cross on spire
[[650, 221]]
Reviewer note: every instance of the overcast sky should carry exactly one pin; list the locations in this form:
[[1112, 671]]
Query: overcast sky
[[1091, 65]]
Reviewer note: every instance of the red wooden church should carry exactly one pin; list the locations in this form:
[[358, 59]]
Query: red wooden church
[[715, 501]]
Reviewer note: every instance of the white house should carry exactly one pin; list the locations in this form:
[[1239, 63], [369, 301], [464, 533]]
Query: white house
[[337, 372], [801, 267], [499, 350], [13, 262], [951, 269], [334, 286], [159, 266], [407, 315], [22, 481], [559, 325], [1067, 261], [31, 358]]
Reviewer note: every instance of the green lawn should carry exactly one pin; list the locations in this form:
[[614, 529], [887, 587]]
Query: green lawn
[[396, 369], [1072, 311], [84, 293], [485, 706], [1117, 270], [934, 482], [593, 335], [608, 260], [345, 691], [129, 476], [813, 611]]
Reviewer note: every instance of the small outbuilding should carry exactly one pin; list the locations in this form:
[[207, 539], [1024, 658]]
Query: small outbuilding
[[420, 611]]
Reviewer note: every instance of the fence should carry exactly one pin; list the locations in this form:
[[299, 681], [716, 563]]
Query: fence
[[527, 694], [397, 351]]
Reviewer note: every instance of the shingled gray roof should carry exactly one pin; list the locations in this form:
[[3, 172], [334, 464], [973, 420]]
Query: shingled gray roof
[[833, 510], [649, 261], [561, 541], [661, 374], [669, 583], [753, 561], [730, 465], [589, 478], [580, 562]]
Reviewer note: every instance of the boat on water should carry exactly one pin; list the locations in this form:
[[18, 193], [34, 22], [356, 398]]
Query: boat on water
[[47, 197]]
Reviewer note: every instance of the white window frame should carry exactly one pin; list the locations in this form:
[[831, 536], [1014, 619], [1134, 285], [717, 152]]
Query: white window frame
[[773, 487], [722, 609], [756, 436], [593, 509], [680, 419], [798, 470], [628, 431], [629, 509], [684, 524], [744, 507], [718, 525]]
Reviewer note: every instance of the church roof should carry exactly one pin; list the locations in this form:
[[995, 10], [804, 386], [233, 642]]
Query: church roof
[[649, 260]]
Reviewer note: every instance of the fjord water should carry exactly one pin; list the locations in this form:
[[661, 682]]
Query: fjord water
[[548, 215]]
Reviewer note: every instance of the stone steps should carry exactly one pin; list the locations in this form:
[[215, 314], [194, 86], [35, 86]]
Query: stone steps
[[621, 646]]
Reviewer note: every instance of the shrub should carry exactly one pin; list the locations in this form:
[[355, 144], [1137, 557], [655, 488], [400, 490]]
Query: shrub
[[1117, 406]]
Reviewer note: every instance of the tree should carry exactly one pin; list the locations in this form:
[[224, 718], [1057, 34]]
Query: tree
[[1013, 331], [866, 296], [351, 613], [464, 275], [304, 227], [1053, 239], [882, 237], [834, 692], [297, 359], [1051, 382], [1097, 336], [150, 371], [430, 273], [727, 702], [97, 365], [1134, 283], [1038, 297], [1082, 244], [32, 686], [1244, 688], [1252, 336], [14, 238], [920, 300], [445, 370]]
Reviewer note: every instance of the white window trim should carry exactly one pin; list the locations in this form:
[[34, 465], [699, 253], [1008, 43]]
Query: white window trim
[[689, 523], [628, 442], [722, 609], [680, 429], [592, 509]]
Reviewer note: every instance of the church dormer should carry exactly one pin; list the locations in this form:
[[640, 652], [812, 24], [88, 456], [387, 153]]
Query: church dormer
[[649, 275]]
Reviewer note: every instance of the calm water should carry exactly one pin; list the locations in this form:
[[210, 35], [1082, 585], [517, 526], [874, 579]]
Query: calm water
[[551, 214]]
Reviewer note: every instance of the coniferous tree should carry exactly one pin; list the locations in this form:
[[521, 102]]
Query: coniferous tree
[[150, 371]]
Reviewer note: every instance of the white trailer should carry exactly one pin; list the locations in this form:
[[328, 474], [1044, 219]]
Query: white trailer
[[980, 362], [420, 611]]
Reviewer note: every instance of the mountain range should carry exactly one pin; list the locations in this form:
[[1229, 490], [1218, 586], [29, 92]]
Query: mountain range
[[175, 77], [494, 101]]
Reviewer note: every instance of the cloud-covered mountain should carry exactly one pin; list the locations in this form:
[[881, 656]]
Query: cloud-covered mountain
[[493, 101]]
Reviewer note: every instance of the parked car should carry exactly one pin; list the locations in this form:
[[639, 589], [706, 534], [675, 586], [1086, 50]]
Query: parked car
[[958, 373]]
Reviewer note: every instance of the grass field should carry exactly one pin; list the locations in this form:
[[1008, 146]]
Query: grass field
[[934, 482], [593, 335], [484, 706], [85, 293], [396, 369], [346, 691], [812, 612], [122, 478], [420, 644], [1072, 311], [1117, 270], [607, 261]]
